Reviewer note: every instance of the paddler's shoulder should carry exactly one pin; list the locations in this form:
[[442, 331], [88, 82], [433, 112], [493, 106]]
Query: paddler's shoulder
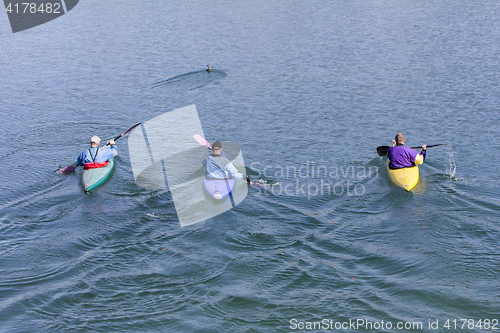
[[397, 148]]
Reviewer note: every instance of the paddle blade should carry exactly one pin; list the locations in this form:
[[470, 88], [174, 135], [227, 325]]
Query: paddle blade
[[430, 146], [66, 170], [262, 184], [382, 150], [202, 141]]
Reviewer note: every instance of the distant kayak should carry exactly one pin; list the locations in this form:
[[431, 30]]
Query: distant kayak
[[92, 178], [406, 178], [218, 189]]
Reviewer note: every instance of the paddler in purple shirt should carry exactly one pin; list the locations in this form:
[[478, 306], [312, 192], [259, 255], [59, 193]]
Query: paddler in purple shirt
[[96, 157], [401, 156]]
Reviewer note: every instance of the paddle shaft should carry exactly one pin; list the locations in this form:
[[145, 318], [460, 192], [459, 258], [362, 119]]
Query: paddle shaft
[[441, 144], [119, 136]]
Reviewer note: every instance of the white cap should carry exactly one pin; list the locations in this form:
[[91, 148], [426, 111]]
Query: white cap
[[95, 139]]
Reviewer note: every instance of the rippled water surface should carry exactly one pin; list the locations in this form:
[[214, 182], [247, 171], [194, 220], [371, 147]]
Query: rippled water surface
[[308, 90]]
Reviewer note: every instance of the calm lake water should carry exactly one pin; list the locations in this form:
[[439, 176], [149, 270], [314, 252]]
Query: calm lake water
[[308, 90]]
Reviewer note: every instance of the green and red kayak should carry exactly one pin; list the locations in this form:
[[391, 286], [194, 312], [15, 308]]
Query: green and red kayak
[[92, 178]]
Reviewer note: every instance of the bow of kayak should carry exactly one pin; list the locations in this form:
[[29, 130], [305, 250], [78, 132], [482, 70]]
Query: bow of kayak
[[406, 178], [92, 178]]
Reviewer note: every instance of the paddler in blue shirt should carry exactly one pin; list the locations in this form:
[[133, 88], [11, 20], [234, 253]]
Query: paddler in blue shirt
[[94, 157], [217, 166], [401, 156]]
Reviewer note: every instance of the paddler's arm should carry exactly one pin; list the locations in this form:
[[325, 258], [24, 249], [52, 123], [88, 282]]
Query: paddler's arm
[[112, 147], [419, 159], [234, 172]]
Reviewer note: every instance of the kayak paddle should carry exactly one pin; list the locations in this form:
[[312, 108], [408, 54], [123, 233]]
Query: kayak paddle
[[72, 167], [382, 150]]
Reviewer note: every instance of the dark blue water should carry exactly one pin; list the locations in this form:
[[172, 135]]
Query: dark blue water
[[308, 90]]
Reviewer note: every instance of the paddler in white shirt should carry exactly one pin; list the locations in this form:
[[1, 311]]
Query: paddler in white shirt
[[96, 157], [217, 166]]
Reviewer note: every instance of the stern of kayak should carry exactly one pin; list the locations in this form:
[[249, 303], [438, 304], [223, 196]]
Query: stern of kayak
[[218, 189], [93, 178], [406, 178]]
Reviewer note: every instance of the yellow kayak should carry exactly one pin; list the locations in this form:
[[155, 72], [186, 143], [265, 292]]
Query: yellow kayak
[[407, 178]]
